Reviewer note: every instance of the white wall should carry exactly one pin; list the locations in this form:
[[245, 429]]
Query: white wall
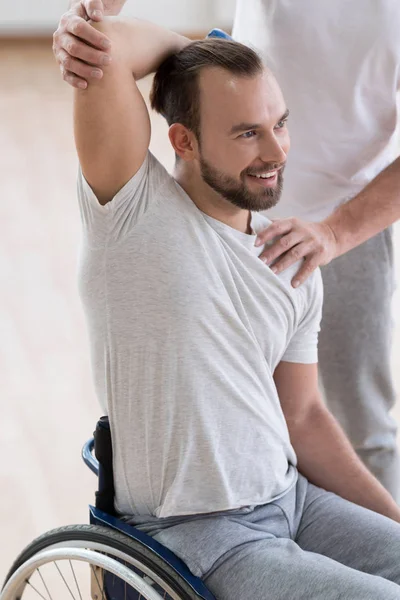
[[224, 11], [30, 15], [41, 16]]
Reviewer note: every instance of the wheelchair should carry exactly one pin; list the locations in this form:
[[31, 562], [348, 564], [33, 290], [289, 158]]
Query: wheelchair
[[104, 560]]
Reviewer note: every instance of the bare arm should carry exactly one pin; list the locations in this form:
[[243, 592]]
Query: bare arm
[[325, 455], [375, 208], [111, 121]]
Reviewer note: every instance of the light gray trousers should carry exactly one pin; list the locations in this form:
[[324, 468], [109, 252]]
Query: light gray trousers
[[309, 545], [355, 353]]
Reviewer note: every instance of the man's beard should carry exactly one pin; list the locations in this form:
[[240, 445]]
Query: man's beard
[[237, 192]]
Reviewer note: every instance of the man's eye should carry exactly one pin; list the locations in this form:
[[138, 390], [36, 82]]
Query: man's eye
[[281, 124], [248, 134]]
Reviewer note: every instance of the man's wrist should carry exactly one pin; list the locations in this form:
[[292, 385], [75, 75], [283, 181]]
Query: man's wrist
[[336, 223]]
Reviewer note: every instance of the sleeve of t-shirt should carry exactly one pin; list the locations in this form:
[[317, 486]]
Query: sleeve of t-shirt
[[303, 346], [111, 222]]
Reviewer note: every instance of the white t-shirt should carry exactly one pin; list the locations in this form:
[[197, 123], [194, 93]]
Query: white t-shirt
[[338, 64], [186, 327]]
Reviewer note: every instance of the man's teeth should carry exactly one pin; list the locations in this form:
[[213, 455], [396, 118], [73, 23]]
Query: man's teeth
[[266, 175]]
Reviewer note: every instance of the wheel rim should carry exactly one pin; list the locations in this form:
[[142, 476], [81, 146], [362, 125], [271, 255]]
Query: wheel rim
[[168, 592], [58, 571]]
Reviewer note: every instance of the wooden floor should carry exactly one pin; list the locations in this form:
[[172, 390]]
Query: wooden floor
[[48, 408]]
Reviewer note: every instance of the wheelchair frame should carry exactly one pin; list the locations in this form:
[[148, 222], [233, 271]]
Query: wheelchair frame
[[99, 517], [102, 521]]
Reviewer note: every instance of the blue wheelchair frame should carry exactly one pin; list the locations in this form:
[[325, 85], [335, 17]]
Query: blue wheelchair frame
[[99, 517]]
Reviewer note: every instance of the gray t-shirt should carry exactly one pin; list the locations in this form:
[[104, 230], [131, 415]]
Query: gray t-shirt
[[186, 327]]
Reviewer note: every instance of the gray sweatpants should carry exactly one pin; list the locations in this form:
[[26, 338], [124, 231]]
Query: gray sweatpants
[[309, 545], [354, 353]]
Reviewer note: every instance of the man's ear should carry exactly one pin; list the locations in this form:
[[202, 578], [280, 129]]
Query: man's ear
[[183, 141]]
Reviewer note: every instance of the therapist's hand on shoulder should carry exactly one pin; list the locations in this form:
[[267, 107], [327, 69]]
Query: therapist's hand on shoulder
[[315, 243], [80, 50]]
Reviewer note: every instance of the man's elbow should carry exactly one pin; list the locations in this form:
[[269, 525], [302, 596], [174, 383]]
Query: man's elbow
[[300, 422], [115, 29]]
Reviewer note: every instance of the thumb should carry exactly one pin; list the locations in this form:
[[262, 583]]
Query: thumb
[[94, 9]]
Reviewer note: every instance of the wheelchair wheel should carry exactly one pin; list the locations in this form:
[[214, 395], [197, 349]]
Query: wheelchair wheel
[[89, 562]]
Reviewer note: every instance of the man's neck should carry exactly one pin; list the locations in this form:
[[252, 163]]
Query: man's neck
[[210, 202]]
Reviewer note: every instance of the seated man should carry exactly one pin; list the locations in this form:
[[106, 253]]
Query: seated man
[[204, 358]]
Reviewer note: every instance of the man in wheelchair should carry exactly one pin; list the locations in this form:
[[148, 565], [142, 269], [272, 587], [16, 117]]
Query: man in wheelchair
[[205, 359]]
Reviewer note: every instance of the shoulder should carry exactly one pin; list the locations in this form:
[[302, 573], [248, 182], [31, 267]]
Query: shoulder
[[313, 286], [315, 280], [313, 291], [156, 169], [152, 179]]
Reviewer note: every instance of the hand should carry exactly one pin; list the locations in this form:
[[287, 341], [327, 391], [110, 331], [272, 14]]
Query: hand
[[315, 242], [79, 47]]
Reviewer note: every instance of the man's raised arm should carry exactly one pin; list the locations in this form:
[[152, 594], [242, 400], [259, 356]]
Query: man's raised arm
[[111, 121]]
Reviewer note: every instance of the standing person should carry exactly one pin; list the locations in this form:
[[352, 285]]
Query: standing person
[[338, 66]]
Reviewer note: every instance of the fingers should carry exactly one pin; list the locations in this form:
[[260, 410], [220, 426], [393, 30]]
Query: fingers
[[311, 262], [75, 71], [73, 80], [77, 49], [94, 9], [293, 256], [82, 43], [300, 240], [308, 267], [278, 228], [84, 31], [79, 62], [282, 246]]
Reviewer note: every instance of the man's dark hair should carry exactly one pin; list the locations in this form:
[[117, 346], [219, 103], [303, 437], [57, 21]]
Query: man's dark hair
[[175, 93]]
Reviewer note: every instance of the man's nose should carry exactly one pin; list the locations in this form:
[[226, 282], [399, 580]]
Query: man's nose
[[271, 151]]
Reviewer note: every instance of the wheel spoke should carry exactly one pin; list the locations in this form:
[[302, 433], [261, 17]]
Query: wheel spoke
[[45, 578], [47, 589], [77, 585], [63, 578], [37, 591]]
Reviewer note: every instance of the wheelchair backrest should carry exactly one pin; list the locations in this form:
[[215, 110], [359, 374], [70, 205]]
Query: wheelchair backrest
[[104, 454]]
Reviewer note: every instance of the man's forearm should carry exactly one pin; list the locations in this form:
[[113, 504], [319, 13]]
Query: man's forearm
[[141, 45], [326, 458], [111, 7], [375, 208]]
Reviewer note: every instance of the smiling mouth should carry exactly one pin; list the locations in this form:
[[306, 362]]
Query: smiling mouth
[[268, 175], [268, 179]]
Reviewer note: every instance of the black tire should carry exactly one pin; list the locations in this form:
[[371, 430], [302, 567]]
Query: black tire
[[113, 539]]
